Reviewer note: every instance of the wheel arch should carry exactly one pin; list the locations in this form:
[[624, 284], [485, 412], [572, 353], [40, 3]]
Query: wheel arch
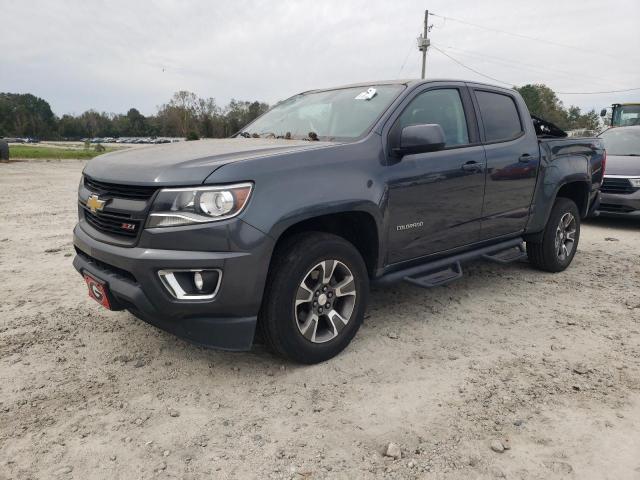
[[360, 227], [576, 190]]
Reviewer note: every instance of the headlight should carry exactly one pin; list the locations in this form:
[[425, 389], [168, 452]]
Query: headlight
[[635, 182], [185, 206]]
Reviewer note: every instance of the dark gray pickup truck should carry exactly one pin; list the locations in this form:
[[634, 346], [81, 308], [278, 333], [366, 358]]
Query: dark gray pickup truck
[[277, 233]]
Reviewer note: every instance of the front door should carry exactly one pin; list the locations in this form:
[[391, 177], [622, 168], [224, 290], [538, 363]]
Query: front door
[[435, 199]]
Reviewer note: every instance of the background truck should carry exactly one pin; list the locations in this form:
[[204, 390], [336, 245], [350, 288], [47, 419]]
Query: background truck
[[282, 228], [623, 114]]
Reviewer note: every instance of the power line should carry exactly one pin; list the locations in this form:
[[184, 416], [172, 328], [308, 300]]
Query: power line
[[472, 69], [527, 37], [597, 93], [513, 84], [519, 65], [411, 47]]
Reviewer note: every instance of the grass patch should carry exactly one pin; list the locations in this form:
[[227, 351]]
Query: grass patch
[[44, 152]]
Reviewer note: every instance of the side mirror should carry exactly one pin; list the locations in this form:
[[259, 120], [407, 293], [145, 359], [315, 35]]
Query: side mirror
[[603, 112], [421, 139]]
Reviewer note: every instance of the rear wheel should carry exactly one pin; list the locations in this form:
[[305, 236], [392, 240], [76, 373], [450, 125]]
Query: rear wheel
[[560, 238], [315, 297]]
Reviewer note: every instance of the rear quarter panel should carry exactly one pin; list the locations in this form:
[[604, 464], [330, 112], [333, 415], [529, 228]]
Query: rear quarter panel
[[565, 161]]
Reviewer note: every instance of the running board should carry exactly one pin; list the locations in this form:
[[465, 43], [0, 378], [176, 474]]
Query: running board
[[445, 270], [437, 277], [508, 255]]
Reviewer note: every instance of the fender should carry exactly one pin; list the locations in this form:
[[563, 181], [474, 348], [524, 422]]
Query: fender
[[560, 166], [299, 186]]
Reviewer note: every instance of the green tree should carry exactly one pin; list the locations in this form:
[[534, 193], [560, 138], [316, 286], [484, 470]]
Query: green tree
[[179, 115], [136, 124], [238, 114], [25, 115], [544, 103], [209, 118], [70, 127]]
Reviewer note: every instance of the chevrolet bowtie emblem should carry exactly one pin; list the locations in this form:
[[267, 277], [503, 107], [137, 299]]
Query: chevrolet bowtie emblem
[[95, 204]]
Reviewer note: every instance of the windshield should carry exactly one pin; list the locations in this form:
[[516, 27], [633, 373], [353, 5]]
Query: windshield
[[622, 141], [626, 115], [343, 114]]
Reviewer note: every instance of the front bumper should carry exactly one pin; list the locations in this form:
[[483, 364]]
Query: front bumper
[[620, 205], [227, 321]]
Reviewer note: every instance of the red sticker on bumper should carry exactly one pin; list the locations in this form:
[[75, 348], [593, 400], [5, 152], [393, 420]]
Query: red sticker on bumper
[[97, 291]]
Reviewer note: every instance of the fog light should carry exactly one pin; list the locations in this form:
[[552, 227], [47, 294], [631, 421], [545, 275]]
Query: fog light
[[192, 284], [197, 280]]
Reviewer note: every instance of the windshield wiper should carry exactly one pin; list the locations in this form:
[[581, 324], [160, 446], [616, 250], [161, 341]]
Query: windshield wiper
[[286, 136], [268, 135]]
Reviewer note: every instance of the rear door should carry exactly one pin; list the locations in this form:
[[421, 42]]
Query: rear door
[[513, 158], [435, 198]]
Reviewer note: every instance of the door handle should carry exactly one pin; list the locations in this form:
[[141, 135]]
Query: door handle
[[525, 157], [472, 166]]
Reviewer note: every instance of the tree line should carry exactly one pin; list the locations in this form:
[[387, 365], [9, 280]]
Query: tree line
[[184, 115], [187, 115], [544, 103]]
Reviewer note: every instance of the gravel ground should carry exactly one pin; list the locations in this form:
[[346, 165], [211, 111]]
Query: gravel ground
[[507, 373]]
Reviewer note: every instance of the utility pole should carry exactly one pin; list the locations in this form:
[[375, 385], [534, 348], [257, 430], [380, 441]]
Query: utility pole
[[424, 42]]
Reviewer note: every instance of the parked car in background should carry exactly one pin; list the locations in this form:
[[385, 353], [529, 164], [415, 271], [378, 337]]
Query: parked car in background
[[621, 186], [131, 140], [20, 140]]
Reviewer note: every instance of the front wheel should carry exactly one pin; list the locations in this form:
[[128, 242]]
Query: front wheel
[[559, 240], [315, 298]]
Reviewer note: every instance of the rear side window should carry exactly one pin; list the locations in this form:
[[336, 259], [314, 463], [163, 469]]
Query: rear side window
[[442, 106], [499, 116]]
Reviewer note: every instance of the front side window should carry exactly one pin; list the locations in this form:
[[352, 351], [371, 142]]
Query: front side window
[[343, 114], [499, 116], [441, 106]]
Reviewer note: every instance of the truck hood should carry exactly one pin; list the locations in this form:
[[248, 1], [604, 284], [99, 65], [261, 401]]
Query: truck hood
[[623, 165], [186, 163]]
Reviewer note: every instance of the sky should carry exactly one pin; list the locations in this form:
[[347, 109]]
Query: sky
[[113, 55]]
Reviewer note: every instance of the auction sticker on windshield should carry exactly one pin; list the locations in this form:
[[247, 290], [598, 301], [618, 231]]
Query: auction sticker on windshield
[[367, 95]]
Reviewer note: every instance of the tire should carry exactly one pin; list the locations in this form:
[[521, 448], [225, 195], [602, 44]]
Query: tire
[[291, 300], [548, 255]]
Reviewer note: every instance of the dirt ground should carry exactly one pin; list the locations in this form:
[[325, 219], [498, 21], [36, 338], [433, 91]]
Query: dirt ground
[[547, 365]]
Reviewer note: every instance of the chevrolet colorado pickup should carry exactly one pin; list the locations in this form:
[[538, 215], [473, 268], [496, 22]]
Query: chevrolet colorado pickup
[[278, 232]]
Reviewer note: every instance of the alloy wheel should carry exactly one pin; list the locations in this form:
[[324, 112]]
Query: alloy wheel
[[565, 236], [325, 301]]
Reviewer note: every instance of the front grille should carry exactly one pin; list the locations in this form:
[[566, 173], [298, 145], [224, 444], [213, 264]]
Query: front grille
[[611, 207], [617, 185], [107, 267], [112, 222], [134, 192]]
